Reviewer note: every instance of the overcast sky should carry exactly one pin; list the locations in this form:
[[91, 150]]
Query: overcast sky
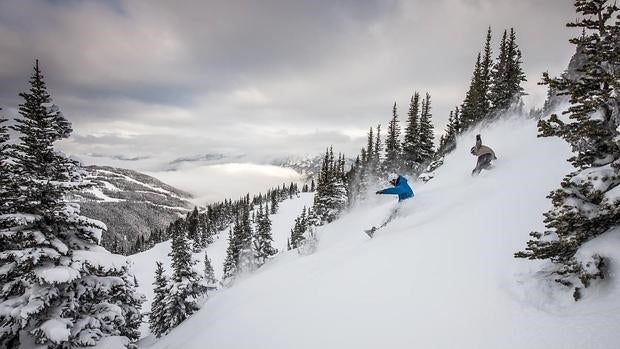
[[155, 84]]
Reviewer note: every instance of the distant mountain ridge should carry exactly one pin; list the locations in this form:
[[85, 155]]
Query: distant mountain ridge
[[130, 203], [308, 166]]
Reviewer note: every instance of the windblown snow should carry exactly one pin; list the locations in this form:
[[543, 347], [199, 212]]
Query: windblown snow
[[441, 275]]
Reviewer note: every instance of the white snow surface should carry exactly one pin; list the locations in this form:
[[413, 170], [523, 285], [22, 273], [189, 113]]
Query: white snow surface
[[101, 258], [441, 275], [56, 273], [98, 193], [144, 263]]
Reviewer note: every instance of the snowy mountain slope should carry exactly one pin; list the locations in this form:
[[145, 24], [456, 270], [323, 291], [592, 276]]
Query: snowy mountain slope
[[144, 263], [130, 204], [308, 166], [442, 275]]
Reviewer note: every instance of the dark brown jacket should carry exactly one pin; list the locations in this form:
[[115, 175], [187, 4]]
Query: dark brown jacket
[[480, 149]]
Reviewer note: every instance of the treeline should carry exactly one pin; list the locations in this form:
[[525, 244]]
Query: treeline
[[59, 287], [249, 246], [215, 217]]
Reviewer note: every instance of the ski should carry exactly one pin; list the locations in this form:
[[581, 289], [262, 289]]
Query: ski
[[371, 232]]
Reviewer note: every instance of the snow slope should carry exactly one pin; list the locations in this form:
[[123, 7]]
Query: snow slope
[[144, 263], [442, 275]]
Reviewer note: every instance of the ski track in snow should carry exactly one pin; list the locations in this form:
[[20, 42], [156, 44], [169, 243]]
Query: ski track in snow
[[441, 275]]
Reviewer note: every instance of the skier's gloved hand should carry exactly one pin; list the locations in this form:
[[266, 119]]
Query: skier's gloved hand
[[379, 192]]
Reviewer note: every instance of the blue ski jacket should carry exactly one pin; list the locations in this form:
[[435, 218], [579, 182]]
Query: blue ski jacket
[[402, 189]]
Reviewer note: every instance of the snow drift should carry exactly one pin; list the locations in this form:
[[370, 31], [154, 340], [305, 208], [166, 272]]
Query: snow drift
[[441, 275]]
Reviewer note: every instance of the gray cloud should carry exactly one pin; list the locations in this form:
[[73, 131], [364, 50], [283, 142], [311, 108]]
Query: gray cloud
[[155, 80]]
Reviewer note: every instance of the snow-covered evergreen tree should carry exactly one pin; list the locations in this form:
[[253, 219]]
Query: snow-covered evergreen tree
[[473, 104], [392, 162], [411, 140], [448, 139], [427, 137], [588, 202], [274, 202], [331, 195], [247, 255], [157, 317], [486, 68], [209, 272], [57, 285], [186, 286], [193, 230], [298, 230], [370, 146], [262, 241], [507, 74], [7, 182], [206, 230], [355, 184], [376, 153], [230, 263]]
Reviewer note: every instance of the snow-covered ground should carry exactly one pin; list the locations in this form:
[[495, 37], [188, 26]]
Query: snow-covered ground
[[144, 263], [441, 275]]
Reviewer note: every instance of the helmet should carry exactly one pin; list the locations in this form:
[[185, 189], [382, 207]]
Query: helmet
[[392, 177]]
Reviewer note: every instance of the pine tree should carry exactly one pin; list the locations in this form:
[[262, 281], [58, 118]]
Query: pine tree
[[247, 257], [192, 228], [507, 74], [205, 229], [312, 186], [473, 104], [339, 187], [457, 121], [515, 74], [412, 133], [331, 194], [55, 278], [448, 140], [7, 182], [427, 136], [499, 83], [230, 263], [37, 163], [157, 317], [376, 154], [370, 146], [263, 239], [392, 144], [486, 67], [274, 202], [186, 284], [209, 272], [354, 181], [299, 228], [586, 205]]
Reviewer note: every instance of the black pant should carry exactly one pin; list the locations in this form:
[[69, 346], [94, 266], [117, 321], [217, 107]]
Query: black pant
[[484, 162]]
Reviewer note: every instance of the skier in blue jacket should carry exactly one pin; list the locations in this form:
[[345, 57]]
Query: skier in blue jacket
[[401, 188]]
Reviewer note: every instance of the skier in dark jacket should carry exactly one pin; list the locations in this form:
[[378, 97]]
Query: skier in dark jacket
[[401, 188], [485, 156]]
